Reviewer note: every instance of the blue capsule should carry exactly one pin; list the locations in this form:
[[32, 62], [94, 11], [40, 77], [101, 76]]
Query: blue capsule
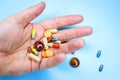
[[101, 68], [98, 53]]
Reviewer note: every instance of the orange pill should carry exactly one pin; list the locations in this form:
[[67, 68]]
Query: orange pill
[[47, 34], [43, 54], [48, 53]]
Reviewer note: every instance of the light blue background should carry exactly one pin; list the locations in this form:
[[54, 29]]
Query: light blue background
[[102, 15]]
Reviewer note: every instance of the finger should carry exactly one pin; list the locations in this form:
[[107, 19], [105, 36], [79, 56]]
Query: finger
[[61, 21], [29, 14], [53, 61], [68, 34], [69, 46]]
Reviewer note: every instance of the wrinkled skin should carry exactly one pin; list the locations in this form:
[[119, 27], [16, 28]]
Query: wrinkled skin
[[15, 38]]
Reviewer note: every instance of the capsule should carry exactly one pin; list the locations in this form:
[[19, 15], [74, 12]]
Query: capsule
[[54, 39], [35, 51], [98, 54], [34, 57], [53, 31], [33, 33], [39, 46], [45, 43], [101, 68], [74, 62], [54, 45]]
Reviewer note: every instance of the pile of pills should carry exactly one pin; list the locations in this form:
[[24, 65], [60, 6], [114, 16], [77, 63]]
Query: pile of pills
[[48, 42]]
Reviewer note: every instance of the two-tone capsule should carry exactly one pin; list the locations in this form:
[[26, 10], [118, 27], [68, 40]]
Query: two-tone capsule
[[54, 45], [33, 33], [35, 51]]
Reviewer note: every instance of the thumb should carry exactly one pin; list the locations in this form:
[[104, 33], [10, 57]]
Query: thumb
[[29, 14]]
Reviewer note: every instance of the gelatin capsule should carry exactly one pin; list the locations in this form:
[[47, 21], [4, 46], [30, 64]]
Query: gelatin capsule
[[39, 46], [74, 62], [98, 54], [35, 51], [53, 30], [45, 43], [54, 39], [101, 68], [47, 34], [54, 45], [34, 57], [33, 33]]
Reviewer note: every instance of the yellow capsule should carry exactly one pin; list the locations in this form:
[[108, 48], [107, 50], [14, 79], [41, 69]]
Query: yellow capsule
[[45, 43], [34, 57], [33, 33], [35, 51], [53, 30]]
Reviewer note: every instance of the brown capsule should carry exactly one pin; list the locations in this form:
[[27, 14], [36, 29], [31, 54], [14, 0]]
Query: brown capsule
[[74, 62], [39, 46]]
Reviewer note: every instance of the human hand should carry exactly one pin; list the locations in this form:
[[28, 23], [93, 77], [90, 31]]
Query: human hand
[[15, 38]]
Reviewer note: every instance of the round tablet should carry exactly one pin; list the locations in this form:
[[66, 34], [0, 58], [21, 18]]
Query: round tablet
[[74, 62]]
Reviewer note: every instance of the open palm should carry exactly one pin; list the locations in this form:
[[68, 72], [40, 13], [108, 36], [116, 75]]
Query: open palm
[[15, 38]]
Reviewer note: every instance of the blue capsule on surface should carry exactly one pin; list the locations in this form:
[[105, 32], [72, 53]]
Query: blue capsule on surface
[[101, 68], [98, 54]]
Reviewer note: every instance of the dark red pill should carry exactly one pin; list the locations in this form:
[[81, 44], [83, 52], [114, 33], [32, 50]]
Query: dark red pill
[[39, 46]]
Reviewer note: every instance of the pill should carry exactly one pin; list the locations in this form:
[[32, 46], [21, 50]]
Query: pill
[[45, 43], [73, 52], [101, 68], [98, 54], [48, 53], [47, 34], [53, 30], [54, 39], [39, 46], [74, 62], [33, 33], [54, 45], [58, 41], [35, 51], [34, 57]]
